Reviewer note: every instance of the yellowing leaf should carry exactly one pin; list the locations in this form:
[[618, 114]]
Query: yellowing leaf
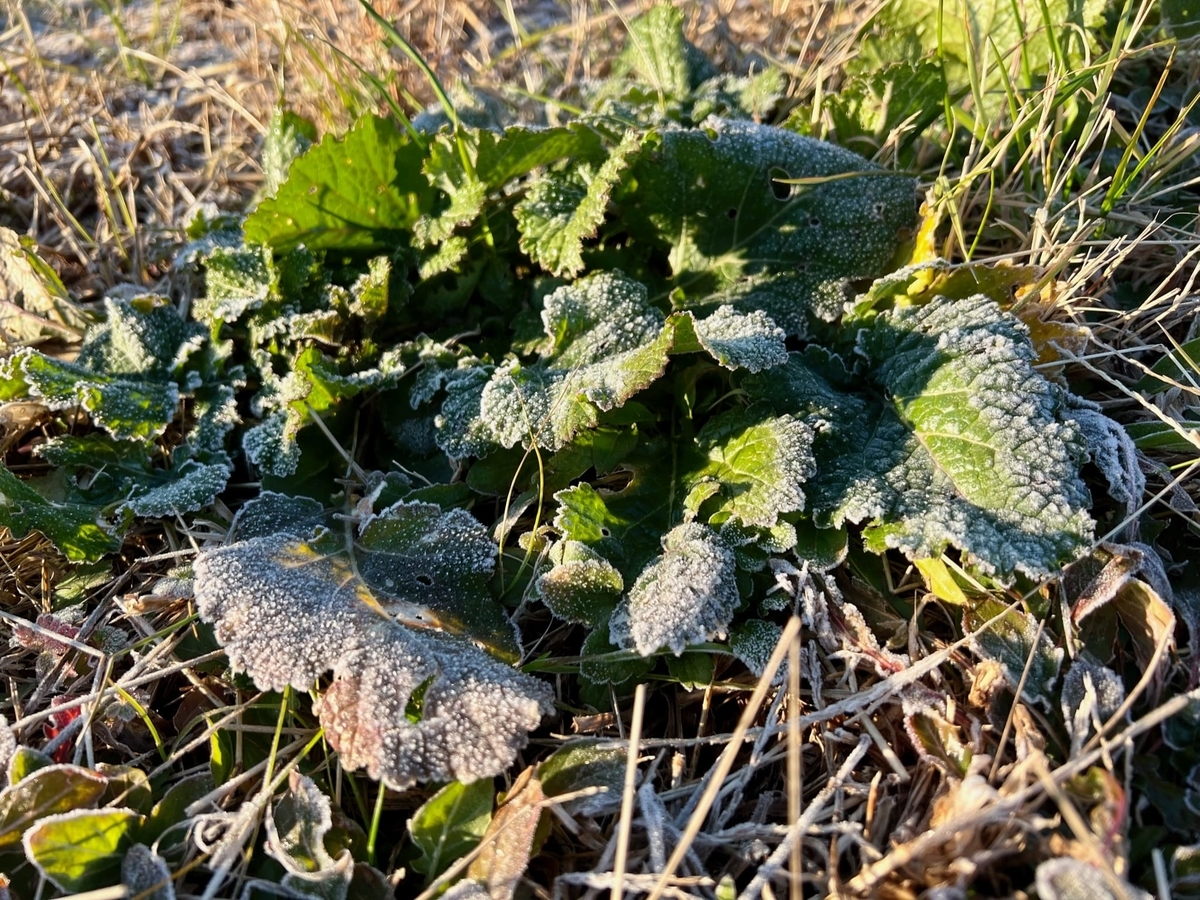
[[940, 581]]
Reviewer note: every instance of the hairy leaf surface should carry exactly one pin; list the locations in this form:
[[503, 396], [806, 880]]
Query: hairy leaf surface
[[408, 702]]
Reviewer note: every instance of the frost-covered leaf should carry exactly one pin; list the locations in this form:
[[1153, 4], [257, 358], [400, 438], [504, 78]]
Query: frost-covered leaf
[[753, 96], [582, 586], [124, 407], [580, 765], [145, 337], [122, 474], [753, 642], [1091, 694], [716, 196], [450, 824], [563, 209], [274, 513], [296, 831], [82, 850], [358, 192], [237, 280], [146, 874], [1011, 642], [439, 562], [407, 703], [462, 192], [757, 464], [873, 102], [608, 342], [686, 596], [46, 791], [969, 448], [736, 340], [72, 527], [289, 134], [8, 744]]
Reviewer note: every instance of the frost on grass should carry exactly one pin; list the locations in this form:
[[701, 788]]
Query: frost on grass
[[968, 446], [408, 704], [718, 196], [686, 596]]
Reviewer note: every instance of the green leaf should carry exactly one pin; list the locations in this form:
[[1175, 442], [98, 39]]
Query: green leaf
[[124, 407], [693, 671], [943, 454], [521, 150], [289, 134], [360, 192], [25, 761], [1181, 365], [582, 586], [749, 341], [82, 850], [1011, 642], [580, 765], [45, 792], [563, 209], [72, 527], [450, 824], [626, 526], [719, 200], [756, 462], [1182, 17], [873, 103], [686, 596], [287, 611], [961, 34], [171, 811], [658, 56]]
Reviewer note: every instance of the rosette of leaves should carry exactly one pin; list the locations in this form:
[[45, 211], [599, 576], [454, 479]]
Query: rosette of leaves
[[396, 614], [141, 370]]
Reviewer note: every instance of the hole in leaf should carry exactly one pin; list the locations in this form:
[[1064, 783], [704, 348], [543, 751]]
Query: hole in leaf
[[732, 213], [781, 190], [814, 221], [425, 580], [877, 209], [414, 710], [604, 531]]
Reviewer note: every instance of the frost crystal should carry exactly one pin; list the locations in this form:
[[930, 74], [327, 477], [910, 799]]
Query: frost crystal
[[968, 450], [686, 596], [408, 705], [737, 340]]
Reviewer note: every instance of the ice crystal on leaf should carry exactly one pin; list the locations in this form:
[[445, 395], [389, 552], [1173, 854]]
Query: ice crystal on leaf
[[686, 596], [970, 446], [749, 341], [737, 201], [408, 702]]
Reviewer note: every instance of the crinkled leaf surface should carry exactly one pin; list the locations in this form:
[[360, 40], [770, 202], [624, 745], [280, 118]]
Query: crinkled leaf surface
[[124, 407], [145, 336], [686, 596], [582, 586], [964, 444], [1011, 641], [359, 192], [407, 703], [714, 196], [562, 210], [756, 462]]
